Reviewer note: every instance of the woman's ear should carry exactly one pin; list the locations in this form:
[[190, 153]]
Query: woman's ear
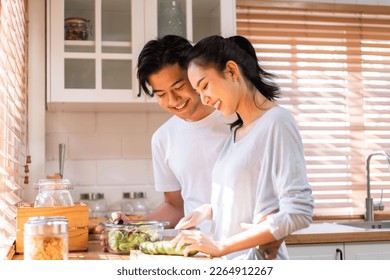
[[232, 70]]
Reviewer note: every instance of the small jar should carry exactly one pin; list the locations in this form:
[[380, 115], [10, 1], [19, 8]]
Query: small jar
[[46, 238], [135, 201], [53, 192], [126, 204], [96, 204], [76, 28]]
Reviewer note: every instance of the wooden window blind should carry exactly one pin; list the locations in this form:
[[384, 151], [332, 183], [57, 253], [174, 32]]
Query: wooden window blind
[[333, 65], [13, 123]]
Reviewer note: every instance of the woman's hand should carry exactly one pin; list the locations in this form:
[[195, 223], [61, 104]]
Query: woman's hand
[[195, 218], [197, 241]]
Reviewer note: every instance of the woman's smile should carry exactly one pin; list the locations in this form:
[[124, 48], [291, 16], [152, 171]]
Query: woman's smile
[[217, 104]]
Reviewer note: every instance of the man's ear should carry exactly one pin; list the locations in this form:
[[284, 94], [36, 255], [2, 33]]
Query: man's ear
[[232, 70]]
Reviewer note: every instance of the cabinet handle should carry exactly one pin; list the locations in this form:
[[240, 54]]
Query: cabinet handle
[[339, 252]]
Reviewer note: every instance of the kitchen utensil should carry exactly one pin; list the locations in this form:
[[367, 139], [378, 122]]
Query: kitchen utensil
[[169, 234], [62, 159]]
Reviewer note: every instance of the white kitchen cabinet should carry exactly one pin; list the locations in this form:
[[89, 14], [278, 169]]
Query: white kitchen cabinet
[[325, 251], [100, 68], [199, 18], [337, 251], [100, 71], [367, 250]]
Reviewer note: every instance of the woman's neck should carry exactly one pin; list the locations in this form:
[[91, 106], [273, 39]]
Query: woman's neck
[[250, 111]]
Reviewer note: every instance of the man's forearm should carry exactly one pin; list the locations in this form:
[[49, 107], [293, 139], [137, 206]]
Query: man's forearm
[[166, 212]]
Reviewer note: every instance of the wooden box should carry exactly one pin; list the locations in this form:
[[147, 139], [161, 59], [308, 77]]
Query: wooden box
[[77, 216]]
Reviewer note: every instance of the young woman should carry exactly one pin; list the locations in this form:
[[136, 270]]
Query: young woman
[[260, 175]]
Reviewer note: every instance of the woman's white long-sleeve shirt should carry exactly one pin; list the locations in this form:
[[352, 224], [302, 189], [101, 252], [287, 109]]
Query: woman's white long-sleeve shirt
[[262, 172]]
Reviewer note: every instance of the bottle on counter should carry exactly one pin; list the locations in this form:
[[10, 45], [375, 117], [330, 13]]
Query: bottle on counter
[[97, 206], [134, 203], [46, 238]]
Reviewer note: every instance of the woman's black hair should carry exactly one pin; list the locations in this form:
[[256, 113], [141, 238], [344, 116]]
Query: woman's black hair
[[156, 54], [216, 51]]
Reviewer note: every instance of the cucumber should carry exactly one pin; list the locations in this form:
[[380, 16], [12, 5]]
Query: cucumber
[[163, 248]]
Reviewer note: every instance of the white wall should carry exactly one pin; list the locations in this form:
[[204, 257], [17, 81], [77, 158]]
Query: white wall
[[105, 152]]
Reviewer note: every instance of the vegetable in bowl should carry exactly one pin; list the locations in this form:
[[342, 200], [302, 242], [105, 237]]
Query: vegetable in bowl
[[121, 239]]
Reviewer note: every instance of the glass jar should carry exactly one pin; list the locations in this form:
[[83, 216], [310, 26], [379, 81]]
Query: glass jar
[[136, 202], [97, 206], [46, 238], [53, 192], [76, 28], [126, 204]]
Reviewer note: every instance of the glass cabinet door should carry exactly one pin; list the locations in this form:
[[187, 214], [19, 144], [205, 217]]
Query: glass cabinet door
[[93, 49], [194, 19]]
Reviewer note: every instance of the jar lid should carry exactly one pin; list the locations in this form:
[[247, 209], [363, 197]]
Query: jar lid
[[44, 225], [91, 196], [54, 184], [76, 20], [134, 195]]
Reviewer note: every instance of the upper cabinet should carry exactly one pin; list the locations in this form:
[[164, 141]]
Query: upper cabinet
[[193, 19], [93, 45]]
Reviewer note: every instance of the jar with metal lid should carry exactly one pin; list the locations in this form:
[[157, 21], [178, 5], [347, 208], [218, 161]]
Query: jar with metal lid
[[53, 192], [76, 28], [96, 204], [46, 238], [136, 203]]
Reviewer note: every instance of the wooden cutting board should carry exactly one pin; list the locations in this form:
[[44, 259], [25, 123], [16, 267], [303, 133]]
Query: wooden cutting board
[[138, 255]]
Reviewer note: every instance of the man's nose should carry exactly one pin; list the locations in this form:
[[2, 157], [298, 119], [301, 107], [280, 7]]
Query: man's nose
[[173, 97]]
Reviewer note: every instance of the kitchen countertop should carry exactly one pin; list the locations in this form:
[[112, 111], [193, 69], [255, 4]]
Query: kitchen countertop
[[95, 252], [317, 232], [330, 232]]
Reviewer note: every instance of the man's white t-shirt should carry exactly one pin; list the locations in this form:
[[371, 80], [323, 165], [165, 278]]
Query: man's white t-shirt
[[184, 154], [260, 173]]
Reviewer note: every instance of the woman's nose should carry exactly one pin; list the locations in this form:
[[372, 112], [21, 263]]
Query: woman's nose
[[205, 99]]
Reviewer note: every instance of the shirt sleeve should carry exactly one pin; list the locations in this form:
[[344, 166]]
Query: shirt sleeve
[[164, 177], [290, 180]]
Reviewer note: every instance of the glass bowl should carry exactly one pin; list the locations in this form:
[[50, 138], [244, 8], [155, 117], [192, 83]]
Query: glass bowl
[[122, 238]]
